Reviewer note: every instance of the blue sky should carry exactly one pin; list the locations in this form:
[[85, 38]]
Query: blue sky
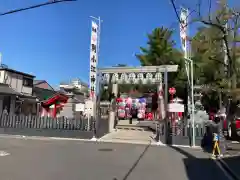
[[53, 42]]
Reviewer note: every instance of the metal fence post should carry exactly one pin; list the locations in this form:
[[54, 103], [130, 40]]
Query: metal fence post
[[94, 129], [190, 133], [157, 132]]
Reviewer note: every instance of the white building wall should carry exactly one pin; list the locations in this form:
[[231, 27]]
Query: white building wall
[[27, 90], [79, 107], [2, 76], [15, 81]]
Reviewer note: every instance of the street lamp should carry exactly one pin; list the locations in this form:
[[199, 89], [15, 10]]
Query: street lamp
[[192, 99]]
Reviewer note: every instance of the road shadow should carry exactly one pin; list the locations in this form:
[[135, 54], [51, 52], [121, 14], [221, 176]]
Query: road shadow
[[135, 163], [200, 168], [233, 165]]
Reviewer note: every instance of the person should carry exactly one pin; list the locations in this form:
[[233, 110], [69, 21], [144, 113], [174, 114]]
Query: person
[[216, 126], [5, 111]]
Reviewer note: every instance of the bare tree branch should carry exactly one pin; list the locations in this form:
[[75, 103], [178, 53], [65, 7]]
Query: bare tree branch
[[223, 30], [218, 61], [208, 23], [230, 16], [35, 6]]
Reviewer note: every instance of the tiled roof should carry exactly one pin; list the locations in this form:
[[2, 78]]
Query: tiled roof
[[38, 81], [79, 98], [17, 72]]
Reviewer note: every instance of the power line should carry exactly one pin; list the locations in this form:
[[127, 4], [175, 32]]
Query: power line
[[35, 6]]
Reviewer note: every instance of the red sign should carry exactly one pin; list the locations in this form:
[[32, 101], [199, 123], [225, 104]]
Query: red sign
[[172, 90]]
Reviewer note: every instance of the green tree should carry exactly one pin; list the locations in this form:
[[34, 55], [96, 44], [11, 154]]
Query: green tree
[[160, 47], [161, 50], [224, 24], [208, 57]]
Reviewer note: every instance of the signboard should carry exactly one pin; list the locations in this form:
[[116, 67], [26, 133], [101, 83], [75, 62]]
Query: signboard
[[175, 107], [93, 59], [80, 107], [172, 90], [88, 108]]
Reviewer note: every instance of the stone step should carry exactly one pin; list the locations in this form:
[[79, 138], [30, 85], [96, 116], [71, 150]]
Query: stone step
[[132, 127]]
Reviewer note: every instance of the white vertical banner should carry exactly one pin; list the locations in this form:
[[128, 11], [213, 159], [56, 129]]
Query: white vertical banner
[[225, 50], [93, 60], [184, 30], [0, 59], [184, 35]]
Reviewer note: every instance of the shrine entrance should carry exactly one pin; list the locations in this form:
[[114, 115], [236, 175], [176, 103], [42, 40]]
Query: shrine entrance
[[115, 76]]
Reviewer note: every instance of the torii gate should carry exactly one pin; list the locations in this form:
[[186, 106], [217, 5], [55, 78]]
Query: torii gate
[[135, 75]]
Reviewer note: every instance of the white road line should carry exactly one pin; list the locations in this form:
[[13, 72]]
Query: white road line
[[68, 139], [4, 153], [41, 138], [186, 146], [129, 142], [235, 142]]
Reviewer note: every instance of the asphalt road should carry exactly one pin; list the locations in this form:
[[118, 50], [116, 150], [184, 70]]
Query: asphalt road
[[77, 160]]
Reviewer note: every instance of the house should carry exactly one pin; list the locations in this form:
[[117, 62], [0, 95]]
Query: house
[[76, 88], [51, 101], [42, 89], [16, 92], [77, 92]]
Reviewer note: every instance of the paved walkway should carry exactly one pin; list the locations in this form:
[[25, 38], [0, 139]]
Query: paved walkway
[[129, 136], [137, 123], [234, 148]]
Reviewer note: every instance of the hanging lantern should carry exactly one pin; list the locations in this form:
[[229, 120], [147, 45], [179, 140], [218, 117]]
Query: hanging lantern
[[105, 87]]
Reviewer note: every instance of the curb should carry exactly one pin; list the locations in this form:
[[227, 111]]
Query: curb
[[186, 146], [129, 142], [44, 138], [94, 140], [228, 169]]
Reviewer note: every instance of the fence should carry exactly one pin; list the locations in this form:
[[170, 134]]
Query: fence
[[53, 127], [181, 134]]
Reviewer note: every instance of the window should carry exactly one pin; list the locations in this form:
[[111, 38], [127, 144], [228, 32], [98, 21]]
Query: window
[[27, 82]]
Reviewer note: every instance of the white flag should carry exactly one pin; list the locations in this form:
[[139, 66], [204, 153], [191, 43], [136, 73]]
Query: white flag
[[183, 36], [184, 29], [93, 60]]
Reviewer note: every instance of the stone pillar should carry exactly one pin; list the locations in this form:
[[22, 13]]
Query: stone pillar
[[69, 108], [112, 112], [166, 121], [115, 89], [38, 113], [111, 121], [162, 110]]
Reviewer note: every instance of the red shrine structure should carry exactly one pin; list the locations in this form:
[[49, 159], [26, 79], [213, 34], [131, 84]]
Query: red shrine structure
[[53, 105]]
